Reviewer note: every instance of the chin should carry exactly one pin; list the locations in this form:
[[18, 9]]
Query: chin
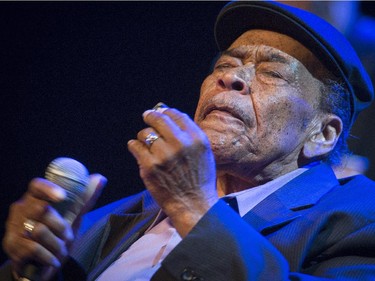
[[218, 141], [224, 152]]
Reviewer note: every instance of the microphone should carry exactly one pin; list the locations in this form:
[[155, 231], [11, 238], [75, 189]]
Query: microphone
[[73, 177]]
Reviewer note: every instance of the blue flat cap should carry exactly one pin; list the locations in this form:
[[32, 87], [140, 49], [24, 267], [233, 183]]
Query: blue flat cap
[[322, 39]]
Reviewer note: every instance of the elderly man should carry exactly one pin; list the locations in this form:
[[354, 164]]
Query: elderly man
[[278, 104]]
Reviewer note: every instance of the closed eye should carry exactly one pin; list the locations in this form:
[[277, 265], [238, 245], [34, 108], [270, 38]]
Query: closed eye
[[272, 77], [274, 74], [223, 66]]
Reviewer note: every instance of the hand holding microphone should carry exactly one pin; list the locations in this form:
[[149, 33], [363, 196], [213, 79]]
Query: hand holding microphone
[[41, 224]]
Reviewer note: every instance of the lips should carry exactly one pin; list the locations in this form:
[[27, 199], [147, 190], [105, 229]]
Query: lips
[[225, 109]]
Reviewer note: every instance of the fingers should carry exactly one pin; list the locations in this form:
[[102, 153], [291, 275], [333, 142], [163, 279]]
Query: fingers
[[44, 237], [139, 151], [148, 137], [45, 190], [169, 131], [170, 122], [45, 246], [181, 119], [35, 232], [36, 206], [39, 244], [23, 251], [177, 166], [94, 189]]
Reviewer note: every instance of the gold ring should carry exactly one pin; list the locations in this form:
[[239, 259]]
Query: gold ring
[[151, 138], [29, 226]]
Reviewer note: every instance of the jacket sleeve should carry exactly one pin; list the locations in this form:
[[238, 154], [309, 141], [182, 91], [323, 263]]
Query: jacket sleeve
[[223, 247], [71, 271]]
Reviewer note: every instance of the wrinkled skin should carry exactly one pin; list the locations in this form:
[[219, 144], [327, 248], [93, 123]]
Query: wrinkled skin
[[178, 169], [259, 111], [48, 244], [256, 119], [258, 108]]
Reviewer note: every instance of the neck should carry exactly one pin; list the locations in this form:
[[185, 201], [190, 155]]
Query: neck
[[229, 183]]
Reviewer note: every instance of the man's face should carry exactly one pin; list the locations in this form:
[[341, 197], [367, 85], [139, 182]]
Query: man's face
[[258, 104]]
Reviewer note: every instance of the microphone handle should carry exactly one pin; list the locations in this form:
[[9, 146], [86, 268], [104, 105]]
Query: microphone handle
[[64, 172], [31, 272]]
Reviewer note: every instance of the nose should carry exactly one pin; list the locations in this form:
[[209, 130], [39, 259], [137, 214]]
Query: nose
[[232, 81]]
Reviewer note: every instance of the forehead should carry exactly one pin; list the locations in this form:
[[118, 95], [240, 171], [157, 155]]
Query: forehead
[[285, 44]]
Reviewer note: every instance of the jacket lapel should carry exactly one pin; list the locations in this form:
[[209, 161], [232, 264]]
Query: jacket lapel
[[110, 236], [114, 233], [288, 203]]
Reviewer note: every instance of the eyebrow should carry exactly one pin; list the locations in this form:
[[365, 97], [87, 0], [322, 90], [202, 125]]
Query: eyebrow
[[236, 53], [260, 55], [275, 57]]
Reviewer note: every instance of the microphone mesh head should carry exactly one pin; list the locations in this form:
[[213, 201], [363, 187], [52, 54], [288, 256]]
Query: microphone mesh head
[[69, 174]]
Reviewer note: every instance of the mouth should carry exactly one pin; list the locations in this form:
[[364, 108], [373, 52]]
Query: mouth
[[221, 110]]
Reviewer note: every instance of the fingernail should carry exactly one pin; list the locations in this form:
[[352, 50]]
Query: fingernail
[[159, 107], [55, 263], [147, 112], [69, 235], [60, 194], [103, 182]]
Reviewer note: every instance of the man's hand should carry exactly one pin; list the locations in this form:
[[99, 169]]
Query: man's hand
[[47, 241], [178, 168]]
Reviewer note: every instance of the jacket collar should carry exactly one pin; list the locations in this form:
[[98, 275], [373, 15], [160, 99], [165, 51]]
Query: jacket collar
[[116, 227], [288, 202]]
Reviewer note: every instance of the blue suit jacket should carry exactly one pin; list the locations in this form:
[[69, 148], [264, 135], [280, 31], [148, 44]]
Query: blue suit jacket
[[313, 228]]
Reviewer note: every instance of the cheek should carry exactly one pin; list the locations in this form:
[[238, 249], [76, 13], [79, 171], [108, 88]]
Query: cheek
[[207, 85], [285, 118]]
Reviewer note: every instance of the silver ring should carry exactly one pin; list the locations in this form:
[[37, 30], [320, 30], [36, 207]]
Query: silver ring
[[29, 226], [151, 138]]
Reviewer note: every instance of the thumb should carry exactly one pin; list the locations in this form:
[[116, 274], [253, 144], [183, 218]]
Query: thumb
[[94, 188]]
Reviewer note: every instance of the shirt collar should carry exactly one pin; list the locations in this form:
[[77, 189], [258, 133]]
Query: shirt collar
[[249, 198]]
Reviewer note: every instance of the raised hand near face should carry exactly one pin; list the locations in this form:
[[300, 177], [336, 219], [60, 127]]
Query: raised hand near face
[[176, 165]]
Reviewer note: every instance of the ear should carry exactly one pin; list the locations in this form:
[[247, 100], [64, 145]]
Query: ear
[[323, 137]]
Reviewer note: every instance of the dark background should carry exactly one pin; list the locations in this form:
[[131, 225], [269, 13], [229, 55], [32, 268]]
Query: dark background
[[75, 78]]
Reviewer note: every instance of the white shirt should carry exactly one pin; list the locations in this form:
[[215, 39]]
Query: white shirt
[[144, 257]]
